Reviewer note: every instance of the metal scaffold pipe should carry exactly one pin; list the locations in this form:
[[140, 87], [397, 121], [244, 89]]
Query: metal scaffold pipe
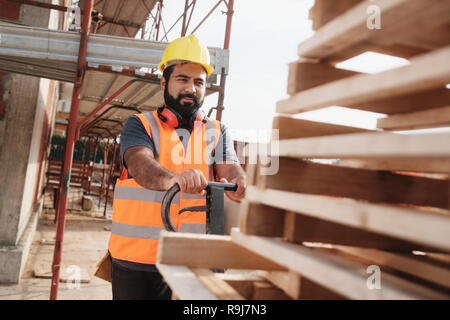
[[54, 53], [226, 46], [68, 153]]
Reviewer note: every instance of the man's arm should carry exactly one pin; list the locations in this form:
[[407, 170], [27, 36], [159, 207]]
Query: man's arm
[[232, 172], [151, 175], [143, 167], [226, 165]]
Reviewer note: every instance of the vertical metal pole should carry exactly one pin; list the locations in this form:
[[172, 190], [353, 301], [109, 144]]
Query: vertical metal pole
[[160, 4], [226, 45], [183, 26], [68, 153]]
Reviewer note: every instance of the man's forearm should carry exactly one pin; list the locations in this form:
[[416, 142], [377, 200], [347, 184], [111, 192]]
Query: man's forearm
[[146, 170], [152, 175]]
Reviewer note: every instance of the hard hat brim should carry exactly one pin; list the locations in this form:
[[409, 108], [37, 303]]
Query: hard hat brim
[[162, 65]]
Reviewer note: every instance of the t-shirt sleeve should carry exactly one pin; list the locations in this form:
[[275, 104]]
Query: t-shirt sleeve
[[224, 151], [134, 134]]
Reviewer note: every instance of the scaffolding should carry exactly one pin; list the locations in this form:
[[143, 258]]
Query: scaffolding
[[113, 74]]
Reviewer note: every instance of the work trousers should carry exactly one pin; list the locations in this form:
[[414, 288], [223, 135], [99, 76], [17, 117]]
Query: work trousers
[[129, 284]]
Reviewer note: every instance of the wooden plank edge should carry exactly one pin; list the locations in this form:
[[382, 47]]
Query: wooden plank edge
[[418, 226], [340, 275], [184, 283]]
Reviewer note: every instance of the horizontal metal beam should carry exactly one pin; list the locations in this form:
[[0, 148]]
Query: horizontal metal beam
[[58, 50]]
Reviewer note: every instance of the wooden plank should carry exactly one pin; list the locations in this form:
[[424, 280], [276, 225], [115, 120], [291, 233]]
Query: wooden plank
[[407, 264], [292, 128], [369, 146], [253, 286], [266, 221], [399, 18], [298, 287], [266, 291], [416, 101], [250, 172], [217, 286], [242, 283], [344, 31], [324, 11], [184, 283], [303, 75], [340, 275], [425, 72], [288, 281], [439, 257], [208, 251], [301, 228], [439, 117], [376, 186], [417, 165], [420, 227]]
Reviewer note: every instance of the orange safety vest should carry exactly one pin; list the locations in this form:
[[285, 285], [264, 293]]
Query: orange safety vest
[[136, 220]]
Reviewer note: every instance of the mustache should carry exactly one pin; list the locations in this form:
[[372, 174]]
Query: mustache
[[187, 95]]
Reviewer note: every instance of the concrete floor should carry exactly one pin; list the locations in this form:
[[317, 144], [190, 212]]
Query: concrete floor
[[85, 243]]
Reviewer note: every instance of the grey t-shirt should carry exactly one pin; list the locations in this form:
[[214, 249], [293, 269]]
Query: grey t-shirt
[[134, 134]]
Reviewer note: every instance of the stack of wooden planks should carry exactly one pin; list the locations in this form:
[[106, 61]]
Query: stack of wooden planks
[[376, 223]]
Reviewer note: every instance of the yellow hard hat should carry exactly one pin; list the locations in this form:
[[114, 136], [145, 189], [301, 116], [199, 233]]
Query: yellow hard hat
[[186, 49]]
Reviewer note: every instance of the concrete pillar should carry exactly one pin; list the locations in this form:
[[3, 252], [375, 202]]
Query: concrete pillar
[[25, 128]]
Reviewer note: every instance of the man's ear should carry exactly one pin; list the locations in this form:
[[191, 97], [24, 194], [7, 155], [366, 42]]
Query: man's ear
[[163, 83]]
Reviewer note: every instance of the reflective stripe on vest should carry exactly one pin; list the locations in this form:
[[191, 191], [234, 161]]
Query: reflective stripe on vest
[[131, 231], [155, 132], [137, 211], [141, 194]]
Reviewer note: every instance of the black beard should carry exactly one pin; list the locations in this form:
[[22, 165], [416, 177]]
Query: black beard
[[186, 110]]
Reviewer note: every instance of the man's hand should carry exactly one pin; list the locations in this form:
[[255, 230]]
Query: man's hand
[[190, 181], [240, 192]]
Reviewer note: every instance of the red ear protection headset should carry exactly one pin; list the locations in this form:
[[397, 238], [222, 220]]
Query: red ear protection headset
[[173, 118]]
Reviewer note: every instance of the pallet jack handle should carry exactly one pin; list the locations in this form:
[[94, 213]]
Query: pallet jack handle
[[214, 208]]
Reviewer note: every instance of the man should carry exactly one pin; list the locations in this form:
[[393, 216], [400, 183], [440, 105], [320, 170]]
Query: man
[[176, 144]]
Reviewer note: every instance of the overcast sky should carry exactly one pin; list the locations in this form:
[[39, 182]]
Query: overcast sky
[[264, 39]]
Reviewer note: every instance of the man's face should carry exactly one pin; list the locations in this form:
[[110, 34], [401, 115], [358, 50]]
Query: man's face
[[185, 90]]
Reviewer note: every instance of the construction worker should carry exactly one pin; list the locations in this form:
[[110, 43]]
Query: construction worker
[[175, 144]]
